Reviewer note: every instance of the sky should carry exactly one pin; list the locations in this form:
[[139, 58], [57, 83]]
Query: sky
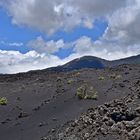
[[37, 34]]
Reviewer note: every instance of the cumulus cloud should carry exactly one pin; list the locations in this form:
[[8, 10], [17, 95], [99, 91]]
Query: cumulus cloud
[[49, 16], [123, 16], [103, 49], [48, 47], [14, 61], [124, 25]]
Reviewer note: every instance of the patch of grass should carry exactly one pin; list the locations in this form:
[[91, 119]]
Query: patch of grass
[[101, 78], [69, 81], [91, 97], [3, 101], [81, 92], [91, 94], [85, 92]]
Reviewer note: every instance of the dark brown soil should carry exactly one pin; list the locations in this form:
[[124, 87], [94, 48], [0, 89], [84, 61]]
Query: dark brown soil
[[41, 102]]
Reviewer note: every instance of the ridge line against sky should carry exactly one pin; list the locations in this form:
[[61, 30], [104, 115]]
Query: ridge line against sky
[[37, 34]]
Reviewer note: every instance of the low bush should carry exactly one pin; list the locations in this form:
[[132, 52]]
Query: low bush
[[85, 92], [81, 92], [3, 101], [70, 81], [101, 78]]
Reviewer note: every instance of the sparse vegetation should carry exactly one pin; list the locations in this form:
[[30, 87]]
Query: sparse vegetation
[[70, 81], [115, 76], [81, 92], [91, 97], [101, 78], [3, 101], [85, 92]]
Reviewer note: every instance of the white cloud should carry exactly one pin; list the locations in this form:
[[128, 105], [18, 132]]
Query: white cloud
[[49, 16], [49, 47], [14, 61], [124, 25], [123, 16], [103, 49], [13, 44], [83, 45]]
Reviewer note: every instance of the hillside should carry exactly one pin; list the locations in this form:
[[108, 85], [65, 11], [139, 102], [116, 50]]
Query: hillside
[[94, 62], [39, 103]]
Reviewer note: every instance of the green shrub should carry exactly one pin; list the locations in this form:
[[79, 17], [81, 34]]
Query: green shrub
[[70, 81], [101, 78], [3, 101], [81, 92], [91, 97], [91, 93], [85, 92]]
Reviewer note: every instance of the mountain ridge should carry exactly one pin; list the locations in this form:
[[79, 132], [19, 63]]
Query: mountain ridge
[[86, 62], [94, 62]]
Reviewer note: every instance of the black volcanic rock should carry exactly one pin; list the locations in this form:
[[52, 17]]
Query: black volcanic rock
[[113, 121]]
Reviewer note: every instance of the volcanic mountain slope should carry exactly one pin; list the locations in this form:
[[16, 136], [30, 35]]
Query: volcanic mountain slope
[[83, 62], [41, 102], [129, 60], [94, 62]]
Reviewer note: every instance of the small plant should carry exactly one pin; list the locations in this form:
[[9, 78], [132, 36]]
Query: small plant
[[91, 94], [3, 101], [101, 78], [85, 92], [70, 81], [91, 97], [81, 92]]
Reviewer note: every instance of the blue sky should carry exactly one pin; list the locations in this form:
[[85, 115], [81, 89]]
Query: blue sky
[[10, 33], [39, 34]]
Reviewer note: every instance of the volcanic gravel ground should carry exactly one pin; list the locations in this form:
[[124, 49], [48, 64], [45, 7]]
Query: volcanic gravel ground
[[41, 103]]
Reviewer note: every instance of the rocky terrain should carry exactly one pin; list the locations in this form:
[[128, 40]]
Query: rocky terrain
[[119, 119], [40, 105]]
